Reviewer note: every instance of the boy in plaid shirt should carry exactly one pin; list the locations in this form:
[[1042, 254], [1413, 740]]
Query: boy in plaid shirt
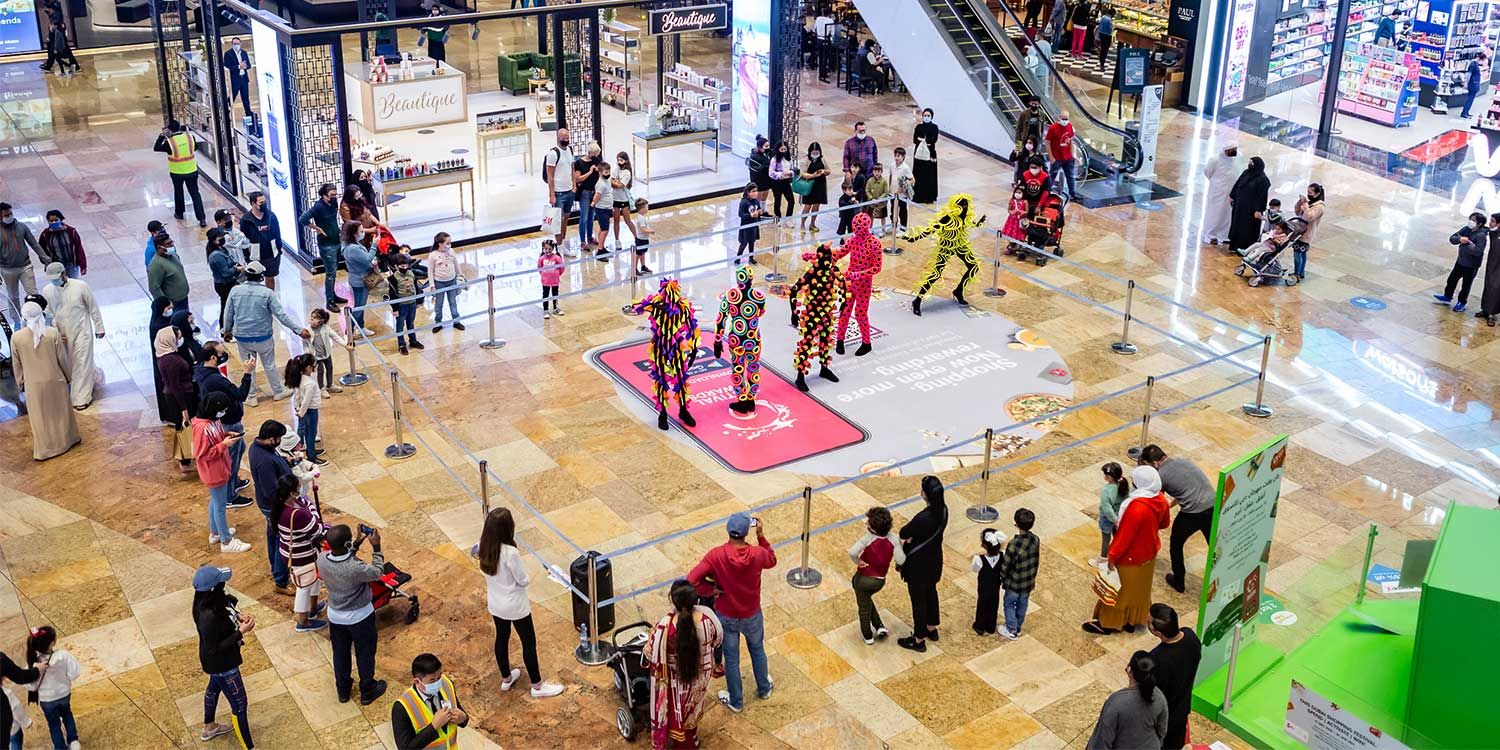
[[1023, 555]]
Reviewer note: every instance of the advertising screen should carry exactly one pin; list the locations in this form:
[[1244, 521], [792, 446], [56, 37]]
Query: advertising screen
[[273, 111], [751, 105], [18, 27]]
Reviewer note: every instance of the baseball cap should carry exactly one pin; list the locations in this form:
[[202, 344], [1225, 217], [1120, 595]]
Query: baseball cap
[[254, 268], [738, 526], [209, 576], [55, 270]]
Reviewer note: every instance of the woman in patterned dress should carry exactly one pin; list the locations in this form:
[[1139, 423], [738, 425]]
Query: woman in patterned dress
[[680, 654]]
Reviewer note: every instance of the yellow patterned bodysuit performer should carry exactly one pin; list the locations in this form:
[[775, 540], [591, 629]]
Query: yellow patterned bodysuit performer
[[951, 227]]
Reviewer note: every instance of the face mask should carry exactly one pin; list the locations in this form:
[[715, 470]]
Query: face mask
[[236, 46], [814, 154], [57, 282], [433, 689], [222, 357], [1036, 170], [168, 250], [179, 342], [1065, 119], [860, 136], [926, 118], [562, 144], [55, 224], [220, 415], [8, 220], [260, 207]]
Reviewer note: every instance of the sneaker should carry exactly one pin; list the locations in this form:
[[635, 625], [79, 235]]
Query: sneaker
[[1175, 584], [240, 485], [340, 300], [881, 634], [285, 590], [724, 699], [324, 393], [546, 690], [1008, 635], [1460, 307], [546, 316], [318, 461], [74, 745], [311, 626], [415, 344], [1096, 561], [234, 545], [285, 394], [366, 332], [437, 328], [457, 326], [239, 501], [252, 401], [869, 640], [217, 730], [767, 694], [510, 680], [557, 312], [911, 644], [335, 388], [367, 699], [1442, 299]]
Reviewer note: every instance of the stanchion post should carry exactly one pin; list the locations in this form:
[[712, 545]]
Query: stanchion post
[[1123, 346], [775, 276], [1234, 657], [484, 486], [1135, 451], [983, 512], [892, 248], [804, 577], [1364, 573], [493, 342], [353, 377], [995, 290], [399, 449], [591, 651], [1259, 408]]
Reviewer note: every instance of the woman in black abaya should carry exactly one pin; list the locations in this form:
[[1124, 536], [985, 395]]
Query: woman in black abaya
[[1247, 200]]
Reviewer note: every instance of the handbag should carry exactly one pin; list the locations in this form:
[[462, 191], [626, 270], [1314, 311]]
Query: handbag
[[1106, 585], [801, 186], [182, 444], [304, 575], [923, 151], [551, 219]]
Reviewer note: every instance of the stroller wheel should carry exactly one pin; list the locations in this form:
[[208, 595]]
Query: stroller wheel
[[1254, 281], [413, 611], [1041, 260], [1239, 270], [1292, 279], [625, 722]]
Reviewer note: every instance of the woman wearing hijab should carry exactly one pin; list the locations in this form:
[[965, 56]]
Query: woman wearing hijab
[[1247, 200], [187, 328], [1132, 554], [924, 138], [922, 540], [180, 395], [161, 317], [40, 362]]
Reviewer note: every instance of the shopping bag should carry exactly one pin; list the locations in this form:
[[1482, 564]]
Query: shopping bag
[[923, 151], [551, 220], [1106, 585], [182, 444], [801, 186]]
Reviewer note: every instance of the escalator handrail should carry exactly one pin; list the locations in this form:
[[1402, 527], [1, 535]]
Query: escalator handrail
[[988, 63], [1008, 46]]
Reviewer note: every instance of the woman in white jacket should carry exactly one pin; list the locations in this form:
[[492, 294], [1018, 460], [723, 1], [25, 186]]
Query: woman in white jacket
[[505, 580]]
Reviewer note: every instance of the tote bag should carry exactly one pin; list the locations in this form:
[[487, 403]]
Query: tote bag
[[551, 219], [801, 186], [1106, 585]]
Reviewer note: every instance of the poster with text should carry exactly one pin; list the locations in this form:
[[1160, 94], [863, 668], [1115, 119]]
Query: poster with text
[[1321, 724], [18, 27], [752, 73], [1237, 59], [273, 111], [1238, 550]]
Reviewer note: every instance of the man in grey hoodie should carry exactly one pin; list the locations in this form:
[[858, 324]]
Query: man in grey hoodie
[[351, 614], [15, 263]]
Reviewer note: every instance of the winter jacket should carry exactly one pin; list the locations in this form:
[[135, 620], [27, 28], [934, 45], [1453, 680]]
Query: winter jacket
[[208, 379]]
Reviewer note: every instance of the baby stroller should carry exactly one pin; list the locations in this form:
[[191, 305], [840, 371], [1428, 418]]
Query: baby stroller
[[632, 679], [388, 587], [1262, 260], [1044, 228]]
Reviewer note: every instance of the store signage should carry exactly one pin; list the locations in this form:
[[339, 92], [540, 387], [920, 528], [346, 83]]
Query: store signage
[[1237, 62], [1321, 724], [751, 69], [681, 20], [1132, 69], [1151, 98], [394, 108], [1486, 154], [18, 27], [273, 119], [1240, 547]]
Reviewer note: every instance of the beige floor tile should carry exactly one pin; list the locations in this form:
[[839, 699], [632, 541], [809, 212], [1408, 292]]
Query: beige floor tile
[[1031, 675], [816, 660], [859, 697]]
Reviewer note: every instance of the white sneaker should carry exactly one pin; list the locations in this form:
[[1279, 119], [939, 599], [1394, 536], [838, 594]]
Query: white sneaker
[[870, 641], [366, 332], [74, 745], [881, 633], [558, 313], [285, 394], [335, 388], [546, 316], [546, 690], [1096, 561], [510, 681], [214, 538], [324, 393], [724, 699], [234, 545], [1006, 634], [252, 400]]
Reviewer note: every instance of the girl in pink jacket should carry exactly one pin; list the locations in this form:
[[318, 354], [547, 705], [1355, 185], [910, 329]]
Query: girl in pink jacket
[[550, 266]]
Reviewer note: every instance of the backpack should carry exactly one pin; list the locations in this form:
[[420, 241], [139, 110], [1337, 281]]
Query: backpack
[[556, 154]]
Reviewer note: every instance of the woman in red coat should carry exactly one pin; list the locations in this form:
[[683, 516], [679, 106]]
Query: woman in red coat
[[1132, 554]]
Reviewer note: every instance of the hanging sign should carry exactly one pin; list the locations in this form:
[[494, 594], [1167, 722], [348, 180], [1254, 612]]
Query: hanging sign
[[681, 20]]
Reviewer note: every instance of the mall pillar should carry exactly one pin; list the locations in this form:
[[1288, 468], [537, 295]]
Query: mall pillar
[[786, 79], [1331, 82], [574, 48]]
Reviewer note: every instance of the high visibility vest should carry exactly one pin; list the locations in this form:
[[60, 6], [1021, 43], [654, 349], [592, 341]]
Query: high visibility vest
[[421, 714], [180, 159]]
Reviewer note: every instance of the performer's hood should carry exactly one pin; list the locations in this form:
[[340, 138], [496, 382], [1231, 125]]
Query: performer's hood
[[825, 254], [959, 203], [744, 277], [862, 222]]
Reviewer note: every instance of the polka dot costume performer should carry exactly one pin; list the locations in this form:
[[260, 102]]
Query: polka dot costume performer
[[865, 258], [740, 309], [820, 288], [674, 346], [951, 227]]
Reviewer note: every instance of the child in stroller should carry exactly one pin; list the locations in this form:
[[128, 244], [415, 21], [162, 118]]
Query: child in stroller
[[1043, 228], [1261, 263]]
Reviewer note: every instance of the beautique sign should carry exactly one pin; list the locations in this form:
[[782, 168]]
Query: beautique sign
[[697, 18], [430, 100]]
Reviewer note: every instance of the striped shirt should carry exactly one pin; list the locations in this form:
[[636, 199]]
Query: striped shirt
[[301, 529]]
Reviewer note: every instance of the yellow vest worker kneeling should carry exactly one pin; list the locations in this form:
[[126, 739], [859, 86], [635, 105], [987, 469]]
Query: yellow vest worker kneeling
[[179, 146], [428, 714]]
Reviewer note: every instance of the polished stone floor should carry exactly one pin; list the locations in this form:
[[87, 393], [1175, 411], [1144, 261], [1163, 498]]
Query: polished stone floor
[[1390, 413]]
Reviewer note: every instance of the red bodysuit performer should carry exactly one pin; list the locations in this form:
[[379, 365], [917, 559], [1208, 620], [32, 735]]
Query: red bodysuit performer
[[865, 258]]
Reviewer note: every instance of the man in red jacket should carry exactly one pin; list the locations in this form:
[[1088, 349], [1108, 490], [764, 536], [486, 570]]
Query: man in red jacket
[[735, 567], [1059, 137]]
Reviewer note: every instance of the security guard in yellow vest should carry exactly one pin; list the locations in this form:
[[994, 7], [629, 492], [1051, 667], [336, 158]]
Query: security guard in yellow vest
[[179, 145], [428, 714]]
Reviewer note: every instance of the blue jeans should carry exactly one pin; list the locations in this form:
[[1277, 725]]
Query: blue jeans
[[754, 630], [585, 216], [565, 199], [330, 256], [307, 429], [280, 573], [236, 455], [1299, 262], [1065, 166], [232, 686], [59, 715], [1015, 610], [218, 500], [1468, 102], [451, 295], [17, 740], [361, 296], [406, 318]]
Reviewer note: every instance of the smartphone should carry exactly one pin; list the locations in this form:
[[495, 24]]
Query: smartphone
[[366, 530]]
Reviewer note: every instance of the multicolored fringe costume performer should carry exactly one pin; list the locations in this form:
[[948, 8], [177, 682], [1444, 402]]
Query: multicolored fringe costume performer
[[674, 346], [865, 258], [740, 309], [821, 287], [952, 227]]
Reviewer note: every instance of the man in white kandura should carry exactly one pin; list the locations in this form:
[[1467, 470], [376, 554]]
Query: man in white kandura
[[1221, 171], [77, 318]]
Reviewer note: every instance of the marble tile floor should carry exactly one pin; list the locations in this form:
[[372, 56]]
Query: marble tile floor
[[101, 541]]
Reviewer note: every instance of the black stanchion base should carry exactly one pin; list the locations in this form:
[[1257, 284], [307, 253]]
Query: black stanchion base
[[803, 578], [1134, 452], [996, 292], [982, 514]]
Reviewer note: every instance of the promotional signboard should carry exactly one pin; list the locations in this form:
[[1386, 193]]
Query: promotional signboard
[[1150, 127], [1132, 69], [18, 27], [681, 20], [1321, 724], [278, 153], [1239, 548], [1237, 58], [751, 61]]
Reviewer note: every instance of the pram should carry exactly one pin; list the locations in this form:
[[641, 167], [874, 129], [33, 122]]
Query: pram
[[632, 679], [1044, 228], [1262, 260], [388, 588]]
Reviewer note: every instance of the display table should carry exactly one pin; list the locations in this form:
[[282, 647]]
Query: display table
[[1379, 84], [385, 189], [498, 144], [427, 98], [651, 142]]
